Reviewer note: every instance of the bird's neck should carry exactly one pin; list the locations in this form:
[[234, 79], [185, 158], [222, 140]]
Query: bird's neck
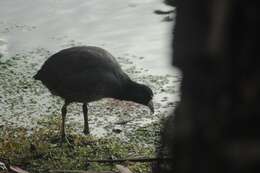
[[128, 92]]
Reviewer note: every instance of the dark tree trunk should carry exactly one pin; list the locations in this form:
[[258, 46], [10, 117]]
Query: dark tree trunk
[[216, 126], [170, 2]]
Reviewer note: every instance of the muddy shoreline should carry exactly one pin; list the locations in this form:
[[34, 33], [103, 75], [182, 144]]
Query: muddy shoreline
[[139, 42]]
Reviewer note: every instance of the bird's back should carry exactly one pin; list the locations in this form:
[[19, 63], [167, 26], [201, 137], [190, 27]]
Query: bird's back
[[73, 69], [77, 59]]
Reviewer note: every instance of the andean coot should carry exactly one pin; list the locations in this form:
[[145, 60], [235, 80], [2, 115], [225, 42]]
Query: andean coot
[[85, 74]]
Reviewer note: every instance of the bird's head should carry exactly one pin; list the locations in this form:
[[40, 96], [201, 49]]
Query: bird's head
[[139, 93]]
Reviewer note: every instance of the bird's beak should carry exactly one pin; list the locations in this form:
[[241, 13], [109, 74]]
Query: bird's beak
[[150, 105]]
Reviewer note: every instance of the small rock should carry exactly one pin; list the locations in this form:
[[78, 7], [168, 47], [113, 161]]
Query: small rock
[[117, 130]]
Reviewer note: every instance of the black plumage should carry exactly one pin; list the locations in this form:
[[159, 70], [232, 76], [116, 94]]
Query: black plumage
[[85, 74]]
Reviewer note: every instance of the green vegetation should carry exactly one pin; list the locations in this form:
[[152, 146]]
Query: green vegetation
[[24, 102], [41, 151]]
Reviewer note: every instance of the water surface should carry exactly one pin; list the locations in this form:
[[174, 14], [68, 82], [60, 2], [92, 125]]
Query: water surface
[[31, 30]]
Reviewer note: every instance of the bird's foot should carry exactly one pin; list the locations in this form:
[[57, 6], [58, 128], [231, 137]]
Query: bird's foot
[[86, 131], [66, 140]]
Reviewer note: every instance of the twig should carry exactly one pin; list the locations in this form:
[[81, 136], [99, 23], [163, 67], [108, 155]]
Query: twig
[[160, 12], [70, 171], [76, 171], [130, 160], [16, 169]]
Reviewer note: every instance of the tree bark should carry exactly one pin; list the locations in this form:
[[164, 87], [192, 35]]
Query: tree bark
[[215, 128]]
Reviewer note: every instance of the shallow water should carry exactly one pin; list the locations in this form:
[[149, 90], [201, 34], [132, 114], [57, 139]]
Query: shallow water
[[31, 30], [122, 27]]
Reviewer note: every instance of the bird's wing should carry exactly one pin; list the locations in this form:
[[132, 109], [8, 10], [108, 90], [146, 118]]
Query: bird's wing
[[92, 83]]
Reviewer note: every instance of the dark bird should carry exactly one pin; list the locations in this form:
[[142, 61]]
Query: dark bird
[[85, 74]]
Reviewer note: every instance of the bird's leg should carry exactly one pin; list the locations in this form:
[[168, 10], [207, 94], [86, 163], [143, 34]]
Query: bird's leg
[[63, 113], [85, 114]]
